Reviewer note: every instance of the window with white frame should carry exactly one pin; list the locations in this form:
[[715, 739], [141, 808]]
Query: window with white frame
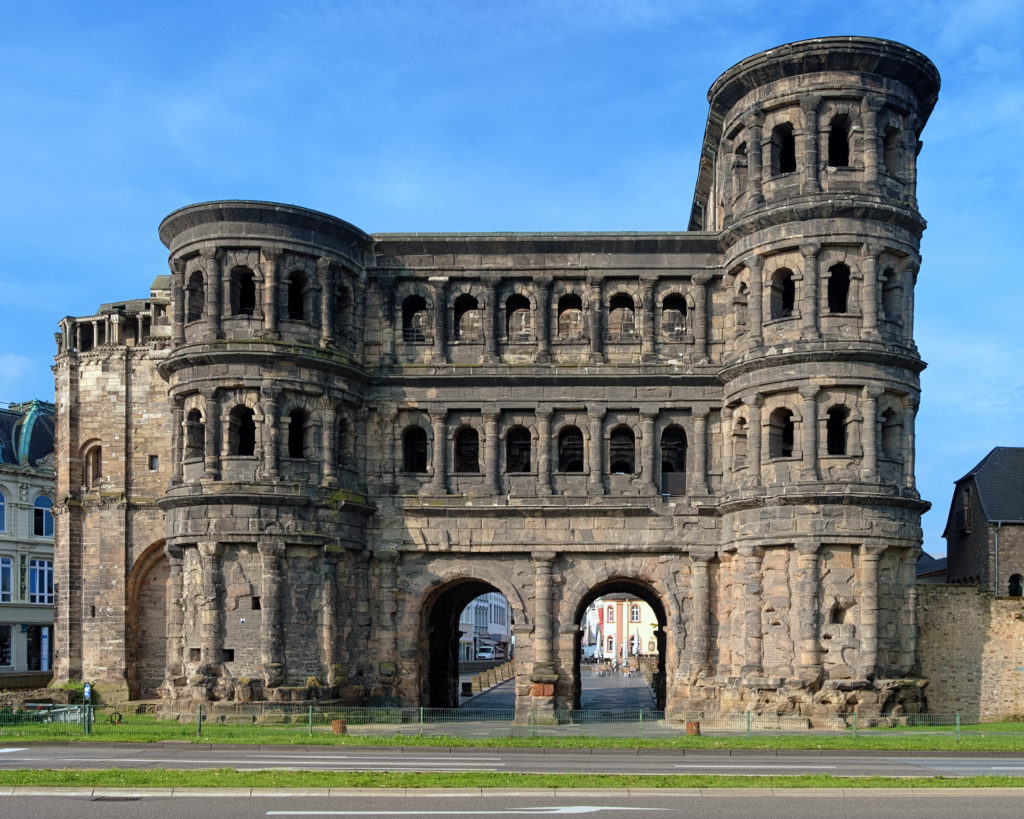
[[634, 613], [6, 580], [610, 618], [6, 656], [40, 581], [3, 513], [43, 520]]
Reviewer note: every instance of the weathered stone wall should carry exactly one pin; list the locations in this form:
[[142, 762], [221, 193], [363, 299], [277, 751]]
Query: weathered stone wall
[[971, 649]]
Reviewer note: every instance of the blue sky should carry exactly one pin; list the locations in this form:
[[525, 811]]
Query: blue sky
[[479, 116]]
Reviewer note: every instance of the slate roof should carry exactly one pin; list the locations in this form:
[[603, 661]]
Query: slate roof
[[926, 564], [26, 433], [999, 478]]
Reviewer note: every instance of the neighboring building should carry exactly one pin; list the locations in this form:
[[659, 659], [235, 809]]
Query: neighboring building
[[486, 621], [623, 626], [985, 526], [26, 538], [310, 448], [931, 570]]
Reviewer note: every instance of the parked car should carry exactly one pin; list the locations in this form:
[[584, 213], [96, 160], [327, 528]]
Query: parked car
[[485, 653]]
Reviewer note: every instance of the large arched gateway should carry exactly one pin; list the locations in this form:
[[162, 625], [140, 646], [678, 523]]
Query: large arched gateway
[[341, 437]]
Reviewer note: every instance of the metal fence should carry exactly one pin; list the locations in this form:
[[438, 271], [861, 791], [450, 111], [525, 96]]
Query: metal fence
[[271, 722]]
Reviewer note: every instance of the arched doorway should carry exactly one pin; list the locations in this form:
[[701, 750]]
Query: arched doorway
[[448, 639], [635, 639], [147, 622]]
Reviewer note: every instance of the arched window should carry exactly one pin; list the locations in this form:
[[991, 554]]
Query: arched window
[[467, 319], [783, 151], [298, 287], [343, 444], [518, 324], [892, 295], [195, 297], [610, 614], [892, 435], [94, 466], [570, 317], [414, 319], [673, 461], [634, 613], [517, 450], [621, 317], [570, 450], [622, 451], [673, 317], [740, 301], [3, 512], [783, 293], [195, 434], [467, 450], [740, 167], [414, 450], [839, 142], [892, 150], [1016, 587], [838, 288], [780, 434], [835, 430], [42, 517], [739, 443], [298, 433], [241, 431], [243, 292]]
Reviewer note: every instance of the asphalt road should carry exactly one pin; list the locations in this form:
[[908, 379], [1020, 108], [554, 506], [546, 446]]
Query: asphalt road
[[517, 760]]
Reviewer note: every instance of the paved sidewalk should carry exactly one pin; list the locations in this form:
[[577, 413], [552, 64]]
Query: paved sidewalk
[[614, 692]]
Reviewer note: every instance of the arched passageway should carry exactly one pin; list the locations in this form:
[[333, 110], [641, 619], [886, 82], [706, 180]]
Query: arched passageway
[[146, 622], [634, 640]]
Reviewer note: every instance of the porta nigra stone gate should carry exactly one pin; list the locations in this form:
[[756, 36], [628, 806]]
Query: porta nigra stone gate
[[284, 473]]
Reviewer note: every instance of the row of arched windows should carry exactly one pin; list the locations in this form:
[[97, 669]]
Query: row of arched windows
[[300, 442], [782, 155]]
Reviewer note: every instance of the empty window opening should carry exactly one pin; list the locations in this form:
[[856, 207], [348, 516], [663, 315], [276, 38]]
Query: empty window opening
[[194, 655], [1016, 586], [254, 604], [838, 288], [740, 302], [344, 441], [518, 324], [195, 297], [517, 450], [892, 295], [298, 433], [739, 443], [85, 339], [298, 286], [622, 451], [414, 319], [414, 450], [342, 314], [467, 450], [740, 167], [243, 292], [783, 150], [241, 431], [227, 655], [839, 613], [621, 317], [195, 434], [839, 142], [570, 450], [673, 461], [892, 435], [570, 317], [780, 434], [468, 319], [835, 430], [154, 463], [783, 293], [94, 466], [673, 317], [892, 151]]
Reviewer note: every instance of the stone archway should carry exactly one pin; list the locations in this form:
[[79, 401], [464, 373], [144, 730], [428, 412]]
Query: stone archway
[[147, 622]]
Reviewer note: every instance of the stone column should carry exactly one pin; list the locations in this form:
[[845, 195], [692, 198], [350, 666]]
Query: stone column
[[755, 127], [596, 309], [329, 614], [391, 332], [647, 326], [117, 330], [909, 436], [908, 293], [806, 611], [324, 273], [211, 450], [868, 629], [543, 631], [869, 300], [701, 614], [755, 306], [439, 286], [699, 481], [727, 453], [329, 443], [809, 307], [911, 150], [492, 476], [177, 430], [700, 316], [869, 108], [543, 451], [439, 424], [387, 633], [214, 291], [211, 627], [869, 412], [390, 440], [752, 625], [543, 285], [270, 453], [810, 184], [489, 328], [648, 452], [754, 404], [809, 440], [270, 258], [178, 297], [174, 667], [272, 553], [596, 480]]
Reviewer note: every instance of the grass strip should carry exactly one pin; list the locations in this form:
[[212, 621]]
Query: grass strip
[[229, 778]]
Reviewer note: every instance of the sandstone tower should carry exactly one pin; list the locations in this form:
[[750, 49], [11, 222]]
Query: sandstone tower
[[296, 462]]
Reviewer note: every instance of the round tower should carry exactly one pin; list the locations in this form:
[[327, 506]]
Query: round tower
[[812, 188]]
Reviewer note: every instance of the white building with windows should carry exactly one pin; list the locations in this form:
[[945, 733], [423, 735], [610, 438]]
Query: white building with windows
[[485, 628], [26, 538]]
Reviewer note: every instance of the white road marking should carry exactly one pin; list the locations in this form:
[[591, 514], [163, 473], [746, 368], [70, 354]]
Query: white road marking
[[10, 750], [556, 811], [765, 765]]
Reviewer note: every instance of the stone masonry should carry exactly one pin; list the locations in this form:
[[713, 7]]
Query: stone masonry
[[285, 473]]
